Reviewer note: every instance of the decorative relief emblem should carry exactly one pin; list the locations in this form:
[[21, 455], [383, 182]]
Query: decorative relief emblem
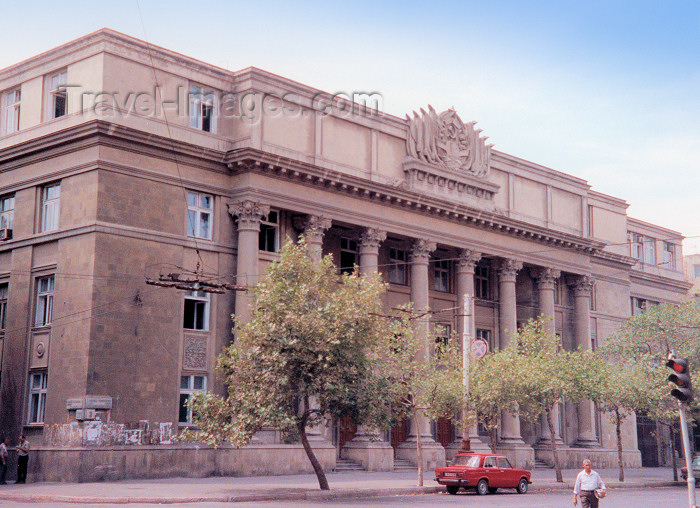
[[195, 356], [40, 349], [446, 141]]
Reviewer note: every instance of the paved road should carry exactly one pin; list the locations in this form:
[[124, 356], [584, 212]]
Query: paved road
[[672, 497]]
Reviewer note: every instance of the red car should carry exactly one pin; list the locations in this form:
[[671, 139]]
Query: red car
[[485, 472]]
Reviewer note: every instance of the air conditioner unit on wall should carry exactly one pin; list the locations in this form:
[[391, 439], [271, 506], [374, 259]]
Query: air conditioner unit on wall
[[5, 234]]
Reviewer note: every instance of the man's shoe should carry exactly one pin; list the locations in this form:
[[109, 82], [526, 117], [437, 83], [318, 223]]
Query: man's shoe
[[19, 481], [3, 483]]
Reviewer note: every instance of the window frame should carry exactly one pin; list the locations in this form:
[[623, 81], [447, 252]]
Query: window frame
[[187, 392], [194, 229], [37, 398], [11, 110], [56, 84], [482, 282], [268, 226], [202, 99], [442, 275], [7, 211], [349, 247], [43, 312], [50, 207], [669, 256], [398, 266], [4, 294], [198, 297]]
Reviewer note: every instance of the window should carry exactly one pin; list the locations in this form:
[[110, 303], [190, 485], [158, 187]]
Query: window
[[398, 273], [12, 105], [50, 201], [37, 397], [57, 97], [504, 463], [269, 232], [639, 305], [696, 271], [7, 211], [669, 256], [196, 310], [482, 284], [636, 248], [484, 335], [489, 461], [202, 109], [348, 255], [649, 251], [441, 279], [44, 301], [188, 386], [3, 304], [443, 332], [558, 289], [199, 213], [642, 248]]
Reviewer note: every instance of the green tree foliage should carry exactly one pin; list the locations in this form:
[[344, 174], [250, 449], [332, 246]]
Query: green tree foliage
[[305, 355], [423, 371]]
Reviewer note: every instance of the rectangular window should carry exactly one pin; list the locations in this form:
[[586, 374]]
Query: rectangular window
[[57, 97], [484, 335], [269, 232], [188, 386], [44, 300], [348, 255], [443, 332], [3, 304], [482, 286], [50, 206], [7, 211], [669, 256], [12, 107], [398, 272], [636, 246], [196, 310], [37, 397], [199, 215], [441, 279], [696, 271], [202, 112], [649, 251]]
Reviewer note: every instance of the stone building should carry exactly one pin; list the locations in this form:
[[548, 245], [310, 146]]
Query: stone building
[[121, 161]]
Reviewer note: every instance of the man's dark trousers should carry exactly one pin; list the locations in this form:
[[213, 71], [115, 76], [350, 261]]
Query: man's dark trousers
[[22, 468]]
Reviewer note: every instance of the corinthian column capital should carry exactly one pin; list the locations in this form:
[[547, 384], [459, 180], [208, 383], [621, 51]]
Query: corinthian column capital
[[421, 249], [508, 269], [468, 258], [583, 285], [546, 277], [314, 226], [248, 213], [371, 239]]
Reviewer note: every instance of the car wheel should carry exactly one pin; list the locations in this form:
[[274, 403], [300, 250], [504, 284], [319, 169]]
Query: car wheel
[[522, 486], [482, 488], [452, 490], [493, 490]]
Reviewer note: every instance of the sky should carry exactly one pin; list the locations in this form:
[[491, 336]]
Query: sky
[[607, 91]]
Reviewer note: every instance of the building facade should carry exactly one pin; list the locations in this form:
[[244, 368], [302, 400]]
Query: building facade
[[121, 162]]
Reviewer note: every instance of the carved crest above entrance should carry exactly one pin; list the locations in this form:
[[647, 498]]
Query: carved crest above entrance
[[443, 139]]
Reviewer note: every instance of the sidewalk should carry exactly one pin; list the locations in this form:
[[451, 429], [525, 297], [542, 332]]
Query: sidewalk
[[289, 488]]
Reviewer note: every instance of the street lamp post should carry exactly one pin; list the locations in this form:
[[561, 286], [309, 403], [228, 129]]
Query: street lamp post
[[467, 315]]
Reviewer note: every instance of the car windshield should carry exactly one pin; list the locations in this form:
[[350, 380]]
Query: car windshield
[[466, 460]]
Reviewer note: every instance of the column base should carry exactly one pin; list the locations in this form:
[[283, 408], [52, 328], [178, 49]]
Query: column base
[[520, 455], [373, 455], [455, 447], [546, 443], [586, 443], [433, 453]]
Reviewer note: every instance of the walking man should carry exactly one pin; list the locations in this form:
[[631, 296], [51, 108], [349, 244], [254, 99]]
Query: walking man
[[3, 458], [586, 484], [23, 451]]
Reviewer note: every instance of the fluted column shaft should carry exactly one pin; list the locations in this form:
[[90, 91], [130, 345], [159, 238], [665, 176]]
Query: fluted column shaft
[[582, 333]]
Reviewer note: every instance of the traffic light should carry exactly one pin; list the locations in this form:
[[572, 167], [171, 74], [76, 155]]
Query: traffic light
[[681, 378]]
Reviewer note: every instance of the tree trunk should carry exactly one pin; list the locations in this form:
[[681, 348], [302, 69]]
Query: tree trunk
[[618, 424], [492, 439], [555, 452], [673, 452], [322, 481], [419, 449]]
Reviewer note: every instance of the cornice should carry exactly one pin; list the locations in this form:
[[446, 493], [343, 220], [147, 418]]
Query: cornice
[[658, 281], [249, 159], [614, 259]]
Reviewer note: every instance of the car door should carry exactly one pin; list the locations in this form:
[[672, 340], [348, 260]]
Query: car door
[[507, 473], [492, 472]]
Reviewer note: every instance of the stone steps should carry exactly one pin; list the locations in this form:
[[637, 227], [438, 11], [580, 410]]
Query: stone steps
[[404, 465], [347, 466], [541, 464]]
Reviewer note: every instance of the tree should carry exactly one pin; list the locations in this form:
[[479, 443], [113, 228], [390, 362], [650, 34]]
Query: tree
[[423, 370], [304, 356]]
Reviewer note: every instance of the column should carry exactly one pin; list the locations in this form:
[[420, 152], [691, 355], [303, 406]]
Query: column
[[582, 334], [546, 279], [433, 452], [367, 447], [248, 215], [468, 259], [507, 272], [314, 227]]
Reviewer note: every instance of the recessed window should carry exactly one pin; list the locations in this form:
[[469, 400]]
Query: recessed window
[[188, 386], [669, 255], [37, 397], [348, 255], [639, 305], [642, 248], [398, 268], [485, 335], [202, 112], [3, 304], [11, 105], [482, 281], [196, 310], [443, 332], [441, 275], [199, 215], [50, 206], [269, 232], [696, 271], [7, 211], [44, 300], [57, 96], [649, 250]]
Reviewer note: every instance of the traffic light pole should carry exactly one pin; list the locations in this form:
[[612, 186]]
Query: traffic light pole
[[688, 457]]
